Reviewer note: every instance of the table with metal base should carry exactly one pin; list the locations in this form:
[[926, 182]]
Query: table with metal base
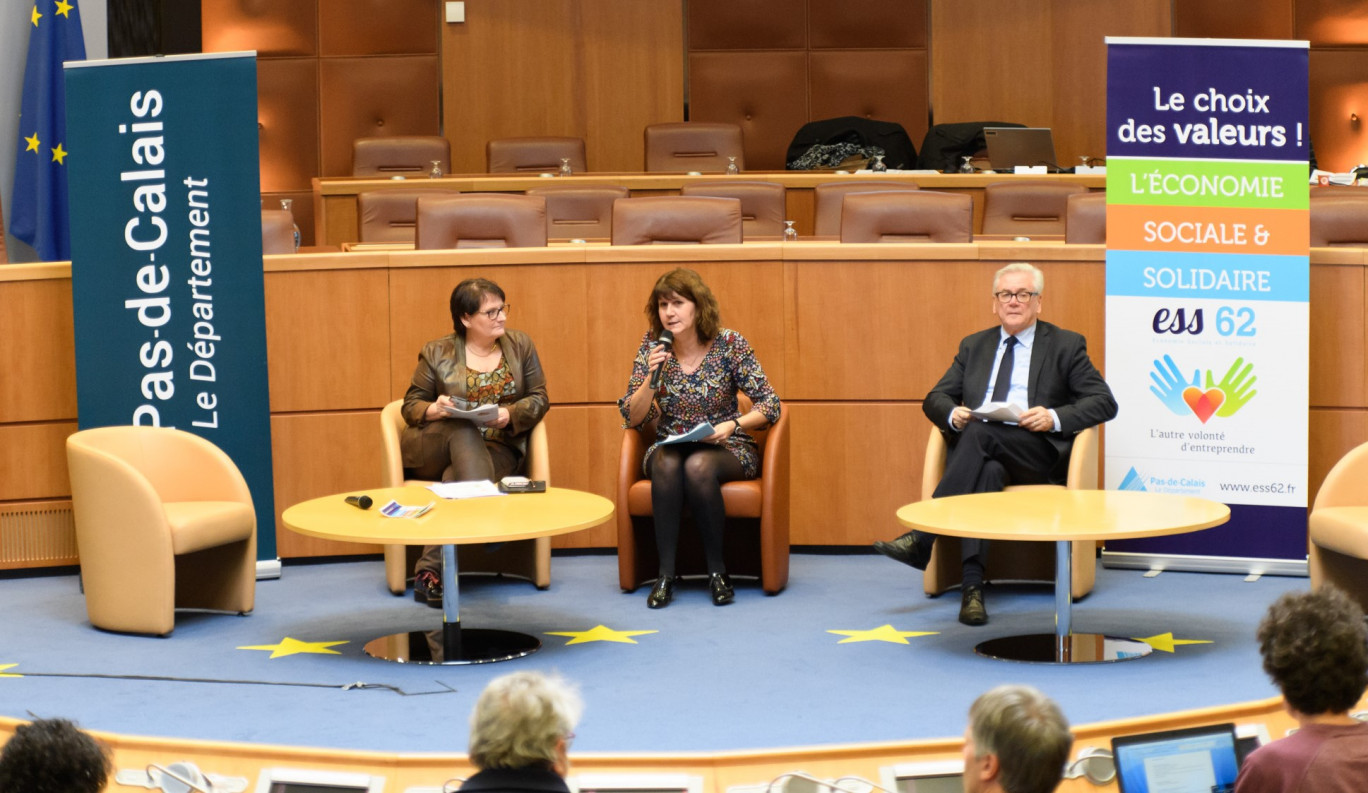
[[450, 523], [1061, 516]]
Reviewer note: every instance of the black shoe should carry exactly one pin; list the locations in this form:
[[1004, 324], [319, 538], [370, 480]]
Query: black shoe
[[722, 592], [972, 611], [427, 588], [904, 549], [662, 593]]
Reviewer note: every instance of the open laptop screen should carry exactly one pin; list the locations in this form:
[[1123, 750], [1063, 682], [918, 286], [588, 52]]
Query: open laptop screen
[[1009, 147], [1195, 760]]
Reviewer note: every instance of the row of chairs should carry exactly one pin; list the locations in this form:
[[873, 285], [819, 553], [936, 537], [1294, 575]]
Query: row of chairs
[[682, 146]]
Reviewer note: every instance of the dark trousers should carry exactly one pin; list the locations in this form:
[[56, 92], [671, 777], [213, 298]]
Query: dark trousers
[[455, 451]]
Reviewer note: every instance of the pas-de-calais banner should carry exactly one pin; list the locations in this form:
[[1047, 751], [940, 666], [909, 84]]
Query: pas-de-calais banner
[[166, 255], [1207, 292]]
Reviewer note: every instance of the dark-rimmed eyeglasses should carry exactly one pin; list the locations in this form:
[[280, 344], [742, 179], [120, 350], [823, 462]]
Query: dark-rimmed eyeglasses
[[494, 313], [1021, 297]]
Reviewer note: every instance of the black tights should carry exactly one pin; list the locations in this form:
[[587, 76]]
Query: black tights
[[691, 473]]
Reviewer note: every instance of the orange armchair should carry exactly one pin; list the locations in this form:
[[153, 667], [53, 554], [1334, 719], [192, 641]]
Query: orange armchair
[[1338, 528]]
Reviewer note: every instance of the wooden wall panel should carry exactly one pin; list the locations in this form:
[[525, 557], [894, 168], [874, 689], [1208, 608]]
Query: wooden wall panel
[[1333, 432], [378, 27], [287, 116], [755, 24], [37, 351], [765, 92], [585, 441], [33, 462], [272, 29], [868, 24], [1233, 19], [887, 85], [357, 98], [1338, 92], [1331, 22], [1339, 373], [319, 454]]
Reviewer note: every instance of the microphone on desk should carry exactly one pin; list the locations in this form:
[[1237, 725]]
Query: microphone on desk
[[360, 502], [666, 340]]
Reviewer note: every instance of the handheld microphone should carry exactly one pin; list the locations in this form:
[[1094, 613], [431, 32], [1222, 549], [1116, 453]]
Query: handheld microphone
[[360, 502], [666, 340]]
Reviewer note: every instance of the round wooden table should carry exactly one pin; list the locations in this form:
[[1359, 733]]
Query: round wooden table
[[450, 523], [1062, 516]]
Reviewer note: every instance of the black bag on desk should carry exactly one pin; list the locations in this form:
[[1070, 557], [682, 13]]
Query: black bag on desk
[[945, 144], [859, 133]]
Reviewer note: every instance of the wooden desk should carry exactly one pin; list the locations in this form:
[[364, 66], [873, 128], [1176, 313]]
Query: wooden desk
[[336, 217], [1062, 516], [450, 523]]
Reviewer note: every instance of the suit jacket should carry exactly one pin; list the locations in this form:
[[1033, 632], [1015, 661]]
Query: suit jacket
[[1062, 378], [515, 780]]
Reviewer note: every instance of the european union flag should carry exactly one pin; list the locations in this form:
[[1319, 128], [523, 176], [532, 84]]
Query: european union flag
[[39, 207]]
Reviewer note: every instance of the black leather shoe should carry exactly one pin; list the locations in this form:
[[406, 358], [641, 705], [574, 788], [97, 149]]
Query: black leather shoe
[[427, 588], [904, 549], [662, 593], [722, 592], [972, 611]]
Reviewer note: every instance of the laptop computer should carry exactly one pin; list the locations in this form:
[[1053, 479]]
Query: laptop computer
[[1009, 147], [1193, 760]]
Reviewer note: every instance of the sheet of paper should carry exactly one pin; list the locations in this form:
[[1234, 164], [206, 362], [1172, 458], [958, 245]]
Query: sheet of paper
[[698, 433], [481, 414], [998, 411], [476, 489]]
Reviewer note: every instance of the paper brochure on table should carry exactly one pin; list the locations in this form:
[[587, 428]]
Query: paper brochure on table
[[396, 510], [698, 433], [480, 414], [475, 489], [998, 411]]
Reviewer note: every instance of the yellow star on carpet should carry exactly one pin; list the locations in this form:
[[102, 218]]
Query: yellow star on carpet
[[600, 633], [290, 646], [36, 16], [883, 633], [3, 667], [63, 9], [32, 142], [59, 154], [1166, 642]]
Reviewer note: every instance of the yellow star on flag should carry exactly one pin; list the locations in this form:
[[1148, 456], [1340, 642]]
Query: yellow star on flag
[[3, 667], [883, 633], [59, 154], [290, 646], [64, 9], [36, 16], [32, 142], [1165, 641], [600, 633]]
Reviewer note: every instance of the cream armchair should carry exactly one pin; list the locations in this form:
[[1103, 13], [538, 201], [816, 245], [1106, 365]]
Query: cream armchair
[[163, 520], [530, 559], [1338, 528]]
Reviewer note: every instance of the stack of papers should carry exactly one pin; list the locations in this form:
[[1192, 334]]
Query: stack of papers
[[997, 411], [480, 414], [477, 489]]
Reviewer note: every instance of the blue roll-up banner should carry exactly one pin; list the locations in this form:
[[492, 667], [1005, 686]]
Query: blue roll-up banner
[[166, 266], [1208, 288]]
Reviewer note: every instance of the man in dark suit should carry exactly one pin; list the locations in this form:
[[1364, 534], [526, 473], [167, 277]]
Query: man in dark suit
[[1047, 371]]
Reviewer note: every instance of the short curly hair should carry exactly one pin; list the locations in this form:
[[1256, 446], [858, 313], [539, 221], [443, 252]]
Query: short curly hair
[[1315, 647], [53, 756]]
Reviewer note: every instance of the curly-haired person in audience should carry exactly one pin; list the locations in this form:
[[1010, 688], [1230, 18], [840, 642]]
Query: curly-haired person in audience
[[1315, 647], [1017, 741], [52, 756], [520, 734]]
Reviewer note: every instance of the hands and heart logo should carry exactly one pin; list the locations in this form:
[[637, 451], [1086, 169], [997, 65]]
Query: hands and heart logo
[[1203, 397]]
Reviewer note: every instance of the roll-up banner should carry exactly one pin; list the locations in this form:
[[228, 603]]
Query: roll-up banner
[[1207, 293], [166, 255]]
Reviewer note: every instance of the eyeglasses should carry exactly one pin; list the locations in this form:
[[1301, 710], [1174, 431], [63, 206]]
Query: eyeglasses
[[569, 739], [494, 313], [1021, 297]]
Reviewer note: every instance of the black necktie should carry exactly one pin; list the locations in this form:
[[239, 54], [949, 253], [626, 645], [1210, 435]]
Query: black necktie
[[1004, 374]]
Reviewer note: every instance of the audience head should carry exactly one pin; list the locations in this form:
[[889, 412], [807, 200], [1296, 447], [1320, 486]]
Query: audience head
[[1017, 741], [1315, 647], [524, 720], [467, 298], [52, 756], [688, 285]]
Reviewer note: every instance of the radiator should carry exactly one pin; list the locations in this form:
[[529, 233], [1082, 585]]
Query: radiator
[[37, 534]]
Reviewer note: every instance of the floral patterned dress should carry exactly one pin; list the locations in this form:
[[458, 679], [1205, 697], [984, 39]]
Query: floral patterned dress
[[708, 394]]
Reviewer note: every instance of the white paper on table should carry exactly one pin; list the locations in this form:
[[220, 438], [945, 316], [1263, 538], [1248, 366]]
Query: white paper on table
[[480, 414], [698, 433], [475, 489], [998, 411]]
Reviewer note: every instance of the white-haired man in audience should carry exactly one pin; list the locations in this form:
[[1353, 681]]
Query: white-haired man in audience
[[1017, 741], [520, 734]]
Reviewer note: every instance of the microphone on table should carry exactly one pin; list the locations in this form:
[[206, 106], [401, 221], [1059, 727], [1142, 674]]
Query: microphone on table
[[360, 502], [666, 340]]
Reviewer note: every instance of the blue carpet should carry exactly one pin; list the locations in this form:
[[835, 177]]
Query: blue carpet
[[763, 672]]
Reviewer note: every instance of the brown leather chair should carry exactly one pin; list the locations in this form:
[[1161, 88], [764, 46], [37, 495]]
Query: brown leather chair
[[668, 219], [757, 532], [529, 559], [1011, 560], [1339, 218], [693, 146], [1026, 209], [481, 220], [580, 212], [907, 216], [762, 205], [830, 197], [401, 155], [390, 215], [1085, 218], [1338, 528], [164, 519], [277, 231], [534, 155]]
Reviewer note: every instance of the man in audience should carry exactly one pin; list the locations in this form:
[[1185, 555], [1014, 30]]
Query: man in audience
[[520, 734], [1017, 741], [52, 756], [1315, 647], [1039, 367]]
